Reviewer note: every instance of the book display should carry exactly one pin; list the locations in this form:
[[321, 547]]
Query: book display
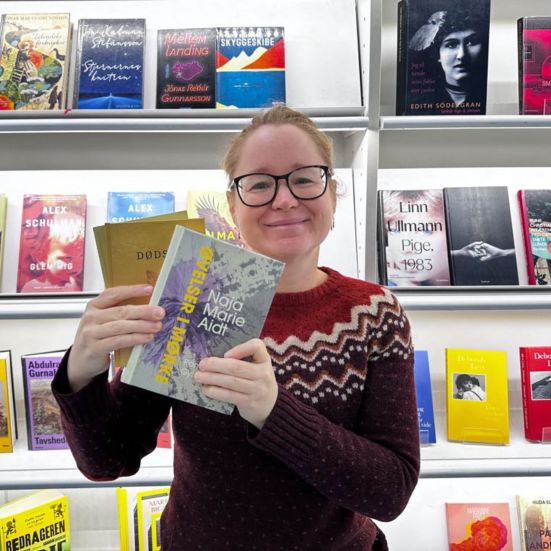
[[126, 117]]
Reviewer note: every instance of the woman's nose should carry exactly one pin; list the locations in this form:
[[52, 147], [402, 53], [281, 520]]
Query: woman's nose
[[284, 198]]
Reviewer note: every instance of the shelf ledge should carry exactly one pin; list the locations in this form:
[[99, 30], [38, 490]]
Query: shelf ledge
[[449, 122], [468, 468]]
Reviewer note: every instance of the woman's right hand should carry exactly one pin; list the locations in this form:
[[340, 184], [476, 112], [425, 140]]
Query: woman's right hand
[[106, 326]]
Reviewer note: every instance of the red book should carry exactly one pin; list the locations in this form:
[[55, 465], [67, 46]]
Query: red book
[[51, 251], [535, 370], [164, 439]]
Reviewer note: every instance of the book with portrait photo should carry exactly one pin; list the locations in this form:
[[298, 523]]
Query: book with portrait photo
[[477, 396], [8, 416], [442, 66], [216, 296], [480, 236], [535, 370], [534, 518], [412, 238]]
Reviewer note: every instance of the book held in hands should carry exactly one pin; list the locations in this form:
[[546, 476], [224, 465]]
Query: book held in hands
[[216, 296]]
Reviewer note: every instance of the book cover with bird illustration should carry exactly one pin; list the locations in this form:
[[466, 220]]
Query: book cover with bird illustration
[[214, 208], [34, 61], [109, 65], [216, 296], [442, 65], [250, 67], [186, 69]]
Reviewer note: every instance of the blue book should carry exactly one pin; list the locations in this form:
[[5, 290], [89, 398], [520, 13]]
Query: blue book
[[216, 296], [250, 67], [123, 206], [427, 430], [109, 66]]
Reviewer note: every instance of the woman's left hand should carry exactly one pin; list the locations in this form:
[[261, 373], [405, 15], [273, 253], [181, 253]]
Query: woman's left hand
[[250, 385]]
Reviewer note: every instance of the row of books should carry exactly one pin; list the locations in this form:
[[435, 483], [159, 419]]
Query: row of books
[[225, 67], [477, 395], [41, 520], [461, 236], [53, 231], [442, 64]]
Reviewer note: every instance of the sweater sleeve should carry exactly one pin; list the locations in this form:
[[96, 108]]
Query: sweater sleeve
[[372, 470], [109, 427]]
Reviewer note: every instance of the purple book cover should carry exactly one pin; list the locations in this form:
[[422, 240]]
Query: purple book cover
[[43, 416]]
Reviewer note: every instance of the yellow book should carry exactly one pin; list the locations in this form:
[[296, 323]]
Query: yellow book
[[8, 422], [476, 394], [3, 212], [36, 522], [133, 252], [122, 509]]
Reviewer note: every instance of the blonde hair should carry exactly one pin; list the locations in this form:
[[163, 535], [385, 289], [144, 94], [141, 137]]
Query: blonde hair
[[279, 115]]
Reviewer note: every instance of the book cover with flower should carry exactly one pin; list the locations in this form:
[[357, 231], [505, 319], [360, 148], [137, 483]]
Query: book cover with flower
[[34, 61], [216, 296]]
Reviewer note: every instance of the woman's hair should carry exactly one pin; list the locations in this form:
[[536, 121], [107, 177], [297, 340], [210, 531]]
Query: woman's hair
[[278, 115], [463, 378], [459, 20]]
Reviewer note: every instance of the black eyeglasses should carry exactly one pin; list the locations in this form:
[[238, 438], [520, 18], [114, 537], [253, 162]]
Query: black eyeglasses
[[259, 189]]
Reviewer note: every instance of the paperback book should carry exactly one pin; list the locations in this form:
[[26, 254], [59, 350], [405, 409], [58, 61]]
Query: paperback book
[[3, 216], [477, 398], [132, 205], [535, 213], [8, 417], [34, 61], [442, 66], [534, 513], [412, 238], [51, 250], [216, 296], [44, 430], [109, 66], [250, 67], [213, 207], [423, 390], [36, 522], [480, 236], [186, 69], [479, 526], [535, 370], [534, 65], [164, 438]]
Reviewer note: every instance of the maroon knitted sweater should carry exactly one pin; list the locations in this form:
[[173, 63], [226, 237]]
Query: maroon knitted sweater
[[340, 446]]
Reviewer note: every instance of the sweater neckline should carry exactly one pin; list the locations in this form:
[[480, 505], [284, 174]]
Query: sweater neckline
[[312, 295]]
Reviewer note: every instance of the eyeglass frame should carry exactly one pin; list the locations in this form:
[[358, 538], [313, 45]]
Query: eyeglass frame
[[277, 178]]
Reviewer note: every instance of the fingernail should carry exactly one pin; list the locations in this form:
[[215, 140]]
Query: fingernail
[[147, 288], [159, 313], [201, 365]]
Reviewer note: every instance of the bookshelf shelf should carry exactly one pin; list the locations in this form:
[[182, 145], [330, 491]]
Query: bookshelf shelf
[[465, 122]]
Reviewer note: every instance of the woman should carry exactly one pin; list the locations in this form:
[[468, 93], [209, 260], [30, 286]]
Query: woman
[[325, 433]]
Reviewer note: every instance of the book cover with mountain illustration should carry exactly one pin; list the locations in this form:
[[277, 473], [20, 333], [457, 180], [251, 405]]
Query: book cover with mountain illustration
[[186, 69], [109, 67], [34, 61], [250, 67], [216, 296]]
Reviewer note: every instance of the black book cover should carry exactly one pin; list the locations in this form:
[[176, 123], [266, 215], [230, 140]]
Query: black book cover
[[442, 57], [480, 236], [186, 69]]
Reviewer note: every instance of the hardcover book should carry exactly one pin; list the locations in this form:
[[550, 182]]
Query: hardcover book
[[44, 430], [109, 67], [481, 526], [51, 250], [213, 207], [186, 69], [534, 513], [250, 67], [480, 236], [34, 61], [442, 66], [132, 205], [216, 296], [535, 213], [535, 370], [38, 521], [423, 390], [534, 65], [476, 395], [8, 417], [3, 216], [412, 238]]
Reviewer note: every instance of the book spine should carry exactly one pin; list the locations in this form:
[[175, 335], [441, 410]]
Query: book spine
[[402, 56], [28, 403], [520, 30], [449, 237], [525, 391], [526, 236], [381, 241], [78, 56]]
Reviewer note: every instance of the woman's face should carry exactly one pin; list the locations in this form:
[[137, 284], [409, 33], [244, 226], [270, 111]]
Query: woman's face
[[459, 54], [467, 385], [288, 229]]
